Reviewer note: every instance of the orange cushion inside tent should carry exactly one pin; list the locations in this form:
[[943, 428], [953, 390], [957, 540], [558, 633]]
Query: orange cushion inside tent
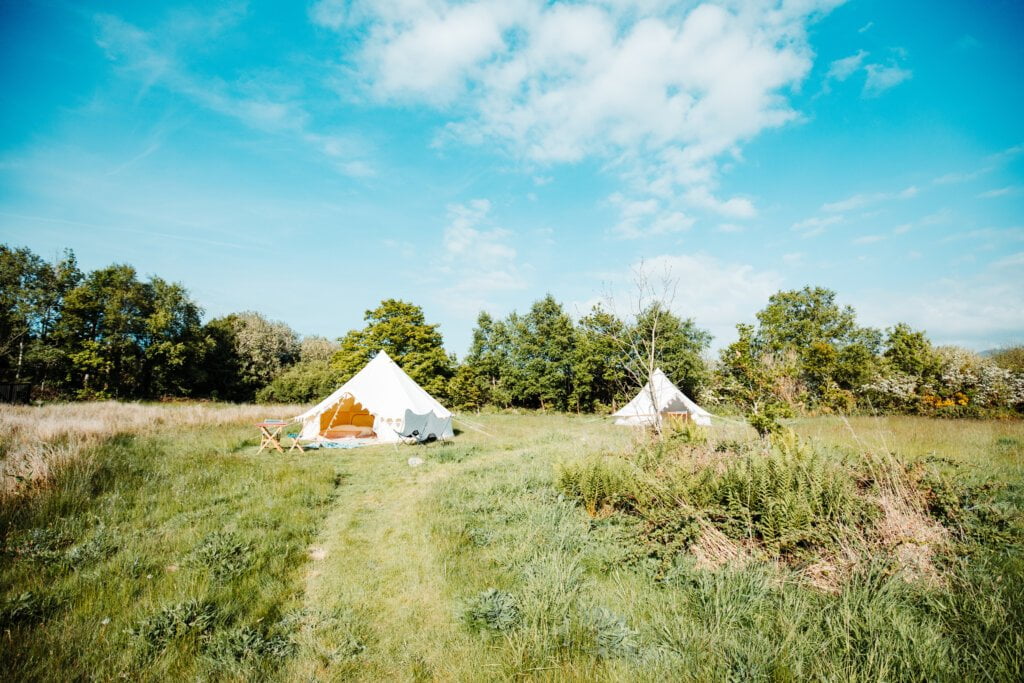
[[347, 417]]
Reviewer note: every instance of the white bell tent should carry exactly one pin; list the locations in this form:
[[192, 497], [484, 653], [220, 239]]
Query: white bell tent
[[659, 399], [380, 402]]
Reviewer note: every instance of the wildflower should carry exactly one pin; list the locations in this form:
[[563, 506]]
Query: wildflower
[[106, 620]]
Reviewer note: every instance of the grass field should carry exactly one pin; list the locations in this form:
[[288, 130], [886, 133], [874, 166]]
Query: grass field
[[179, 552]]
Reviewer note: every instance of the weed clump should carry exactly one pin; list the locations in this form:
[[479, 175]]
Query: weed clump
[[27, 608], [190, 619], [249, 643], [56, 548], [43, 544], [612, 635], [224, 554], [491, 610]]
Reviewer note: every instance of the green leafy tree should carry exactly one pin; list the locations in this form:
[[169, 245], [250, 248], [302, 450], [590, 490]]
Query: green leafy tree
[[909, 351], [675, 344], [173, 344], [400, 329], [744, 378], [103, 327], [312, 378], [126, 338], [468, 389], [599, 372], [542, 355], [220, 375], [489, 361], [835, 358], [32, 294], [796, 319]]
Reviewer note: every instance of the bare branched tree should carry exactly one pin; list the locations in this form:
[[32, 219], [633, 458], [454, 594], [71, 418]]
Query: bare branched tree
[[649, 303]]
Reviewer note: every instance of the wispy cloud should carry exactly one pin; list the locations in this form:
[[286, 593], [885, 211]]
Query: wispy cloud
[[257, 101], [816, 225], [1011, 261], [1014, 234], [878, 77], [1001, 192], [884, 77], [869, 239], [859, 201], [640, 218], [479, 258], [719, 293], [954, 178], [841, 69]]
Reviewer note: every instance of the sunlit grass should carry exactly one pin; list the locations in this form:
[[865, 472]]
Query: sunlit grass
[[177, 552]]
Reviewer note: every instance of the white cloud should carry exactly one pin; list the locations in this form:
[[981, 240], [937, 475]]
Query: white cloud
[[793, 258], [659, 92], [1000, 192], [1013, 234], [716, 294], [734, 207], [841, 69], [980, 312], [814, 226], [859, 201], [868, 239], [954, 178], [729, 228], [878, 77], [1006, 154], [1011, 261], [883, 77], [639, 218], [478, 258], [329, 13]]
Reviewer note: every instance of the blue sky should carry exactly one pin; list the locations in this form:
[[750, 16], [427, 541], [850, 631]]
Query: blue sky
[[309, 160]]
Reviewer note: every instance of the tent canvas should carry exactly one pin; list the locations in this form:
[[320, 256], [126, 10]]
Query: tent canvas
[[658, 398], [382, 397]]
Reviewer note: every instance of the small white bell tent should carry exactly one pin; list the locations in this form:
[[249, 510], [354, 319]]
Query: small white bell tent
[[380, 402], [660, 399]]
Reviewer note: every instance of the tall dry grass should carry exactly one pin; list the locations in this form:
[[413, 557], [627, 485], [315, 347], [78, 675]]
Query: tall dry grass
[[36, 440]]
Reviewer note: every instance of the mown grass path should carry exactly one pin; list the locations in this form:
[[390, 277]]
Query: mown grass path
[[383, 573], [376, 568]]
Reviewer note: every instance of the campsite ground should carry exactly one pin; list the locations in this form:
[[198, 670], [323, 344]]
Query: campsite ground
[[186, 554]]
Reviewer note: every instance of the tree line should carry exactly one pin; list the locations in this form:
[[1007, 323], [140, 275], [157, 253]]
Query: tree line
[[110, 334]]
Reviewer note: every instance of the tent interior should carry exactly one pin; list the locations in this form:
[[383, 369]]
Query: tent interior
[[346, 418]]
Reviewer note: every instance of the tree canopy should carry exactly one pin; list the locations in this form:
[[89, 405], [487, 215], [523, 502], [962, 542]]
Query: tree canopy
[[400, 329]]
